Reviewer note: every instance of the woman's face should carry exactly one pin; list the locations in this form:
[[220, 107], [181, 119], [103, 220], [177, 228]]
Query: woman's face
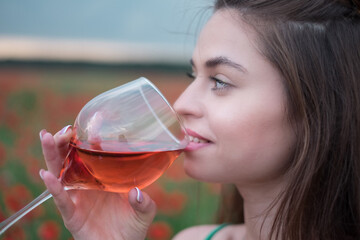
[[235, 108]]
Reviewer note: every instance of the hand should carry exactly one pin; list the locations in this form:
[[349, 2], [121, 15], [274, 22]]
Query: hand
[[93, 214]]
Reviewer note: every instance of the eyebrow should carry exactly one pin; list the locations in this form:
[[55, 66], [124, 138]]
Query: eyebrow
[[221, 60]]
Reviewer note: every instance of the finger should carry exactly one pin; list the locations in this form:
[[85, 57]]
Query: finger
[[52, 158], [62, 139], [143, 205], [61, 197]]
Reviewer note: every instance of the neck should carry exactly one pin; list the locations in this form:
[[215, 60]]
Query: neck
[[259, 208]]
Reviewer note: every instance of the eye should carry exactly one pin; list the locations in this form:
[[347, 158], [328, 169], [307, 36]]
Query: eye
[[219, 85]]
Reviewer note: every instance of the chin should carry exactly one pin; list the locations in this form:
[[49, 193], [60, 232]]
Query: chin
[[197, 172], [193, 171]]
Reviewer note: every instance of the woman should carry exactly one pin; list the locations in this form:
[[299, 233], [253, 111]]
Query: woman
[[274, 110]]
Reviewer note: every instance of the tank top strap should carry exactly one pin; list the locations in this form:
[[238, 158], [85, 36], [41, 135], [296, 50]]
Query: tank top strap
[[217, 229]]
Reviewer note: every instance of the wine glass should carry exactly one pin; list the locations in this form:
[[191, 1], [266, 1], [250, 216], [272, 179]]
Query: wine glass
[[123, 138]]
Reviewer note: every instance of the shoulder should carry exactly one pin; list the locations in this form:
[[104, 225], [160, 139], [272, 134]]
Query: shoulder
[[202, 231]]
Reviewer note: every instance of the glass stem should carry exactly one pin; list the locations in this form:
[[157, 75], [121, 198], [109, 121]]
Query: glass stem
[[18, 215]]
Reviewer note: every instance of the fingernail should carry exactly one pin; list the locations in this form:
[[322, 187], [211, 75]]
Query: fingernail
[[64, 130], [41, 173], [41, 134], [139, 196]]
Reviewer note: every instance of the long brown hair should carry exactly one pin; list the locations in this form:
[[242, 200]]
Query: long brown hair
[[315, 45]]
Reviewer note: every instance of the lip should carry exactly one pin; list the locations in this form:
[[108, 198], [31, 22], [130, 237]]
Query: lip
[[194, 134], [192, 146]]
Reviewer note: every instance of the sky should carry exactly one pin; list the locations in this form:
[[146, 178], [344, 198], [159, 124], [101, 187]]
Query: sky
[[158, 24]]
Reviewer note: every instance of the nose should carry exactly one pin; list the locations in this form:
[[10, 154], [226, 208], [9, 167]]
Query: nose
[[189, 102]]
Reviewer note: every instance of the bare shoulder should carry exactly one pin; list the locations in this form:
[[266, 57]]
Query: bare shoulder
[[202, 231]]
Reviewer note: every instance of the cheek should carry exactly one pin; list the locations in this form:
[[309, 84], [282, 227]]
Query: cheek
[[253, 141]]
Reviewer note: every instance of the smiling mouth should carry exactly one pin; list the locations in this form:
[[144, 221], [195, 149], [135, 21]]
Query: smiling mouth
[[196, 143]]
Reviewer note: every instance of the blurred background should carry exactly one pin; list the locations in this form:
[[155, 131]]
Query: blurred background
[[57, 55]]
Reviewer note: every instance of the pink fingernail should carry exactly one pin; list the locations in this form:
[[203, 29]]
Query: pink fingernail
[[41, 173], [41, 134], [64, 130], [139, 196]]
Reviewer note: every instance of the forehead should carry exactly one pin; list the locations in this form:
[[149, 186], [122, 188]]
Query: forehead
[[226, 34]]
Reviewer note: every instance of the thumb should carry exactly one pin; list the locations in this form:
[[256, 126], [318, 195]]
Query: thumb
[[144, 206]]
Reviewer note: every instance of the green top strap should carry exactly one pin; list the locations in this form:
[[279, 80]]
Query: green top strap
[[218, 228]]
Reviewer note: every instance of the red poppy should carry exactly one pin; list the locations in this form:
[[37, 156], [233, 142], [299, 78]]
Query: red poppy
[[159, 231], [176, 202], [157, 193], [168, 203], [49, 230], [17, 197]]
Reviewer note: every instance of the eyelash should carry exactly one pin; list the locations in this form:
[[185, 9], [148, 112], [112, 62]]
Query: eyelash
[[216, 81], [223, 85]]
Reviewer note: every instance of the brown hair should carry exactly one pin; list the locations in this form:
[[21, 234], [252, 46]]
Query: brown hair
[[314, 44]]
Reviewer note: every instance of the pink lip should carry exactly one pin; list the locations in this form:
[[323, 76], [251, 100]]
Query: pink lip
[[192, 146], [194, 134]]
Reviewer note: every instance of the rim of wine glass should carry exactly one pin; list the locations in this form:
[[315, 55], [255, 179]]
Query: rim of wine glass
[[167, 102], [159, 92], [144, 80]]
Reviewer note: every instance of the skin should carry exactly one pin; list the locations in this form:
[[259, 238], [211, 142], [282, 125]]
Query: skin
[[236, 106]]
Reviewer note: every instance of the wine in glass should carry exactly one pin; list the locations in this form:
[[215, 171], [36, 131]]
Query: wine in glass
[[123, 138]]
